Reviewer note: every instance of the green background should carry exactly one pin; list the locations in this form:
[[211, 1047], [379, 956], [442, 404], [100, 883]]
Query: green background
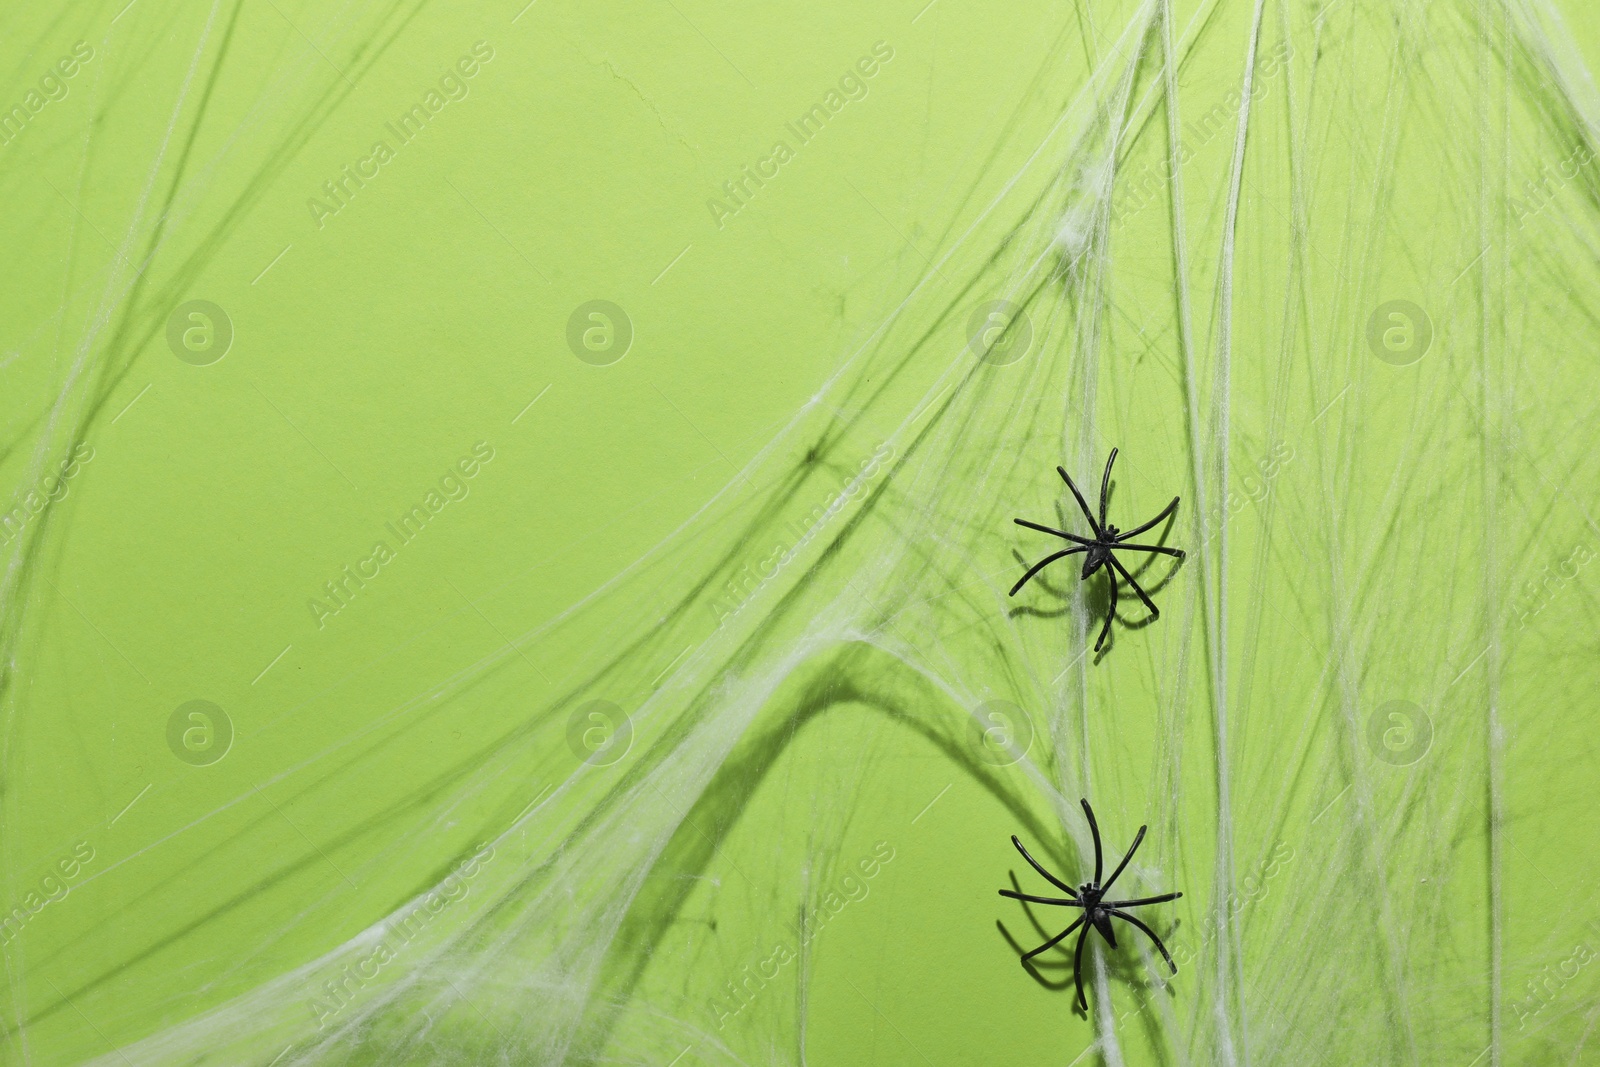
[[773, 534]]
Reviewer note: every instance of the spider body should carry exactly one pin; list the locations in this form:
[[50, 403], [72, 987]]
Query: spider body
[[1098, 555], [1090, 898], [1100, 549]]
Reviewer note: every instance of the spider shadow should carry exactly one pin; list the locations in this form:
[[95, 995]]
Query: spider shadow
[[1148, 560], [1096, 594], [1035, 971], [1122, 965]]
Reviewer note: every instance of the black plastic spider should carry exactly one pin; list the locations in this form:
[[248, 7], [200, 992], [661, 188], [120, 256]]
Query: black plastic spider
[[1097, 911], [1100, 547]]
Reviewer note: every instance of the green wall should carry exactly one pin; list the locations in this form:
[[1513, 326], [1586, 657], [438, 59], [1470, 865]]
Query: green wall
[[570, 453]]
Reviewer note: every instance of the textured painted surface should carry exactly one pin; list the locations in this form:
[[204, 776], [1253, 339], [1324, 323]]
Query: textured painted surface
[[508, 522]]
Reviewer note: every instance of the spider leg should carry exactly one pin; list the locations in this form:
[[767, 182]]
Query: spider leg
[[1138, 837], [1154, 613], [1111, 613], [1042, 564], [1086, 512], [1049, 530], [1168, 510], [1094, 829], [1175, 553], [1077, 969], [1052, 879], [1148, 933], [1162, 899], [1105, 487], [1030, 898], [1054, 941]]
